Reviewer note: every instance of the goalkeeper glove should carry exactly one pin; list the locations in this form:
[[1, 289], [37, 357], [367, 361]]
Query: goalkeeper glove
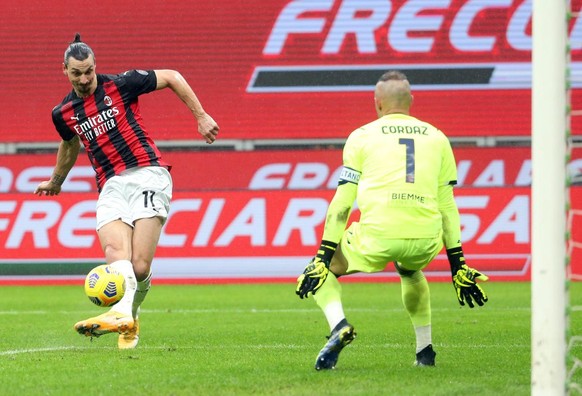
[[316, 271], [464, 279]]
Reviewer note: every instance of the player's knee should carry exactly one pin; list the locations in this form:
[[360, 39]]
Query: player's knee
[[141, 268], [114, 252], [403, 271], [339, 264]]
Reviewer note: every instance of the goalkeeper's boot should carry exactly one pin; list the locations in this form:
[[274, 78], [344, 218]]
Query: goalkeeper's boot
[[129, 339], [341, 336], [109, 322], [425, 357]]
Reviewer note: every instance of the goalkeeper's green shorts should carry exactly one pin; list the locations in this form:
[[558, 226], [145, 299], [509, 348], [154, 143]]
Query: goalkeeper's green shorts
[[370, 253]]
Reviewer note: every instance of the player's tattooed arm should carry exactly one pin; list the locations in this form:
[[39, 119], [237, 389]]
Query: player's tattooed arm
[[58, 179], [340, 217], [66, 157], [339, 211]]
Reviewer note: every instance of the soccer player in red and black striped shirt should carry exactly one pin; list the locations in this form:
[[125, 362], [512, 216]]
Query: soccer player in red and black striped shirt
[[134, 183]]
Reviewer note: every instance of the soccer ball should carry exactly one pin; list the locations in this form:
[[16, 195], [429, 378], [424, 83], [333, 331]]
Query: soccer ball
[[104, 286]]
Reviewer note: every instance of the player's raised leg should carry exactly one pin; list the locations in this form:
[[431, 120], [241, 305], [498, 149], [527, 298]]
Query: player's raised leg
[[117, 319], [115, 238]]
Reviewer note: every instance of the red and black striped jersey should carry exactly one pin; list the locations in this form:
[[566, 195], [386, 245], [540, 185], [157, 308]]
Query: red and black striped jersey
[[110, 125]]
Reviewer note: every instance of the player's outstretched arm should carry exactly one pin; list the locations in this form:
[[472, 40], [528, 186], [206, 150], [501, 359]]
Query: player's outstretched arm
[[317, 269], [66, 158], [172, 79], [464, 277]]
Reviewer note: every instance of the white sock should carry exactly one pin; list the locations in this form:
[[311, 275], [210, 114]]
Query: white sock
[[126, 269], [140, 294], [423, 337], [334, 313]]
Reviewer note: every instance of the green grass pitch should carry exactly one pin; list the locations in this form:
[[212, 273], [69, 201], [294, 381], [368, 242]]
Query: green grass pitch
[[261, 339]]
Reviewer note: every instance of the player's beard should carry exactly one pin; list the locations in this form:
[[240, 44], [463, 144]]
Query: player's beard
[[84, 89]]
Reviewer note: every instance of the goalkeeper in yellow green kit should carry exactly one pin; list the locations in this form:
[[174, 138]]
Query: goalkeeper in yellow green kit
[[401, 172]]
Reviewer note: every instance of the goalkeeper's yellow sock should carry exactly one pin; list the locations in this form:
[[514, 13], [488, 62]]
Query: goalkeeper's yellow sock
[[416, 299], [328, 298]]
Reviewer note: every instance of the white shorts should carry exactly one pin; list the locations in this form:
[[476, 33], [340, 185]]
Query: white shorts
[[135, 193]]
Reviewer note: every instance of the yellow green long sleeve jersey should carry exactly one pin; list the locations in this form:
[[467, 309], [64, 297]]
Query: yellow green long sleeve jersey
[[400, 171]]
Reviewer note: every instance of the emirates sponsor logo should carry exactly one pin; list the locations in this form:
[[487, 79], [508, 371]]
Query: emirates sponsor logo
[[94, 126]]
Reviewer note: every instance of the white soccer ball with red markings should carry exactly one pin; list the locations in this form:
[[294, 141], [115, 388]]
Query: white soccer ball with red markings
[[104, 286]]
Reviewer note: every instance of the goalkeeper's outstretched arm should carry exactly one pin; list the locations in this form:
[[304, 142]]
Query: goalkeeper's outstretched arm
[[338, 212], [464, 277]]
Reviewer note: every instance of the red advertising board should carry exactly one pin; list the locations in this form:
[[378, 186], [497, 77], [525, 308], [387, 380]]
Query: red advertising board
[[274, 169], [259, 233], [285, 68]]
